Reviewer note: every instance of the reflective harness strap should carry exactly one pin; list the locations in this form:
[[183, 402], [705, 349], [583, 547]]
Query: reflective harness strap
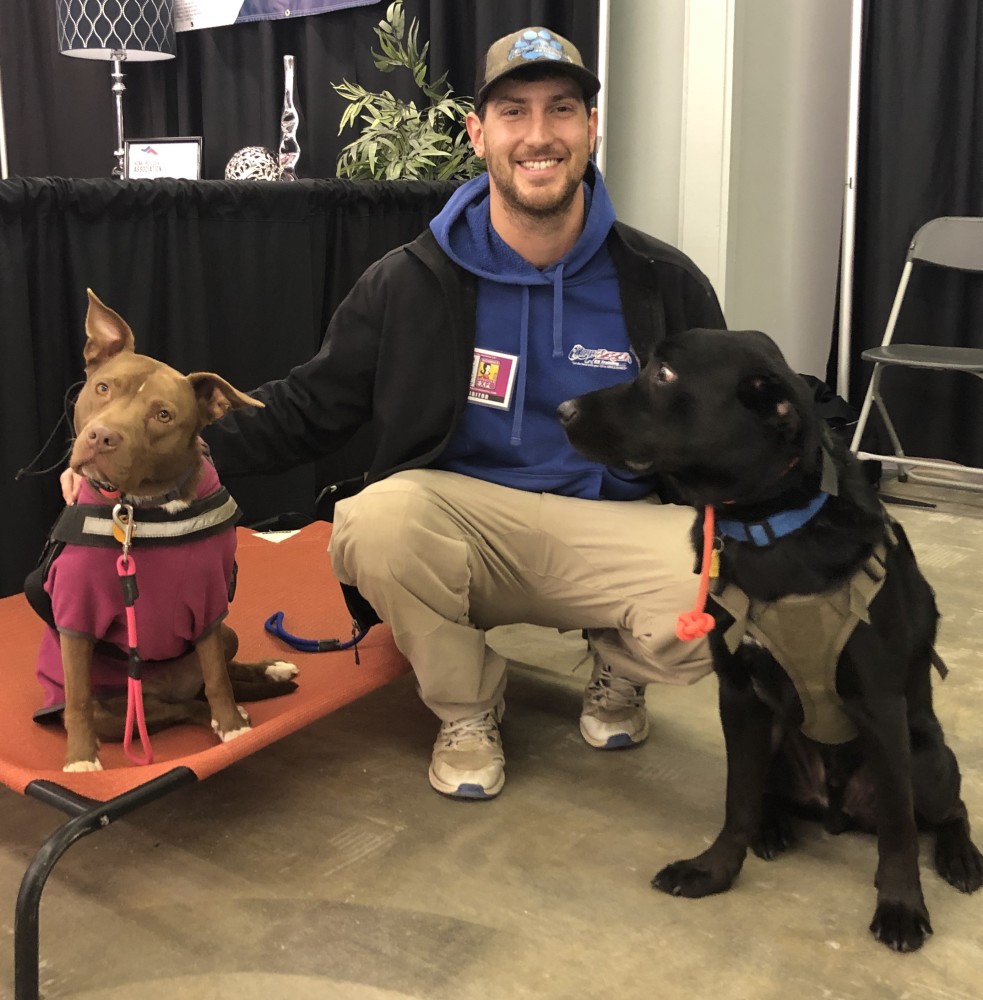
[[93, 524]]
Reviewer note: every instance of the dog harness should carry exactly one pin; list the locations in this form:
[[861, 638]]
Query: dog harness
[[806, 634], [187, 562]]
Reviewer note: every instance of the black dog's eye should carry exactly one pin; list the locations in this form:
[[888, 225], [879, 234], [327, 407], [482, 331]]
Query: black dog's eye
[[665, 374]]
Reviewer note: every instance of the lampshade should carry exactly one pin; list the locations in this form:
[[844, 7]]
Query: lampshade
[[102, 29]]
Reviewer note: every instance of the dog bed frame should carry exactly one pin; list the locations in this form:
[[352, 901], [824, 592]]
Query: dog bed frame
[[291, 574]]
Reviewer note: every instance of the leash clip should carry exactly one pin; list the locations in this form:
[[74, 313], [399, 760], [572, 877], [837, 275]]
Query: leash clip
[[123, 527]]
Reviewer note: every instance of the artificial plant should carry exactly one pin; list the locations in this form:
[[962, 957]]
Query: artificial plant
[[399, 139]]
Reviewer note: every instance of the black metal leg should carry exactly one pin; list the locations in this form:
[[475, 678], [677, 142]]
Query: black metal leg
[[89, 817]]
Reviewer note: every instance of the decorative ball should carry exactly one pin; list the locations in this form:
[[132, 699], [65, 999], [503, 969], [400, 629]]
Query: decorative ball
[[253, 163]]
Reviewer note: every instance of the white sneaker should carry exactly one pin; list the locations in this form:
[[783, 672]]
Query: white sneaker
[[614, 713], [468, 761]]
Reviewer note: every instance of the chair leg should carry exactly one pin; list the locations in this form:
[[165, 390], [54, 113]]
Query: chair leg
[[873, 397], [893, 435], [864, 412]]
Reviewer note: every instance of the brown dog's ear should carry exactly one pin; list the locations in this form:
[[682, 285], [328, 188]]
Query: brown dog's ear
[[106, 333], [771, 398], [216, 396]]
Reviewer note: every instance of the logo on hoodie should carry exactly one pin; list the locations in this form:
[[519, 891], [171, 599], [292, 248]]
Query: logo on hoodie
[[599, 357]]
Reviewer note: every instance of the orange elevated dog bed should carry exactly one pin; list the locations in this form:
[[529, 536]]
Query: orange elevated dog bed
[[292, 575]]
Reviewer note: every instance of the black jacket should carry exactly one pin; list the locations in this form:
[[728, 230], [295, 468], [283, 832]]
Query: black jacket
[[398, 354]]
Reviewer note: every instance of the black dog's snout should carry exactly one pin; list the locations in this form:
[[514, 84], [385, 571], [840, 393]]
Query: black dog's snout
[[567, 412]]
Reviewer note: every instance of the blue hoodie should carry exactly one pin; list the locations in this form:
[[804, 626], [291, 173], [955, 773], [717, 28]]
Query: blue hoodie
[[542, 336]]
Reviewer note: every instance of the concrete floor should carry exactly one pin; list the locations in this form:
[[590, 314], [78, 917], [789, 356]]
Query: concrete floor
[[325, 867]]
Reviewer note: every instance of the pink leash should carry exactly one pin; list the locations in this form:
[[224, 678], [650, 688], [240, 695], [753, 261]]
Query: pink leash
[[697, 623], [126, 567]]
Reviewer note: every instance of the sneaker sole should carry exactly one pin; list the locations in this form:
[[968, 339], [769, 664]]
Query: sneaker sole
[[468, 790], [619, 741]]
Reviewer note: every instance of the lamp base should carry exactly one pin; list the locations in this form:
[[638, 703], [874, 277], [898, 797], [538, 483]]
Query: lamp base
[[118, 88]]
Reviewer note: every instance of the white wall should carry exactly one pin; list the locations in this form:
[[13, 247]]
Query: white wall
[[788, 169], [785, 96], [643, 130]]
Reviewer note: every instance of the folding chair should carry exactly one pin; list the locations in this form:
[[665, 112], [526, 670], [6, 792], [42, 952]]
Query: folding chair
[[293, 575], [954, 242]]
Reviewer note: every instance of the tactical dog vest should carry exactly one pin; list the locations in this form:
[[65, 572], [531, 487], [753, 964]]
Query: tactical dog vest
[[806, 634]]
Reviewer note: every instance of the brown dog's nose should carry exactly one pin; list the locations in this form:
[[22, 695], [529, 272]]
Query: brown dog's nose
[[102, 438], [567, 412]]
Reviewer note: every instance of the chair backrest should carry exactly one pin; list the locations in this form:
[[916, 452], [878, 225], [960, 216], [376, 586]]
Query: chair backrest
[[950, 241]]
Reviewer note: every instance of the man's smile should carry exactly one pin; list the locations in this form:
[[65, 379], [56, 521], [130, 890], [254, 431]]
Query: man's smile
[[539, 164]]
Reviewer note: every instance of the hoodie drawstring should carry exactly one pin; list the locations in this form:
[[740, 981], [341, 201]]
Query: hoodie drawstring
[[558, 311], [520, 389]]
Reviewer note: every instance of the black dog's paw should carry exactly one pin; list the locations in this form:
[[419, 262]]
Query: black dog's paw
[[775, 835], [957, 858], [901, 927], [690, 879]]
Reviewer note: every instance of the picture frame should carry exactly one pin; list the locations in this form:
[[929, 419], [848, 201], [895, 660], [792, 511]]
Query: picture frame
[[170, 156]]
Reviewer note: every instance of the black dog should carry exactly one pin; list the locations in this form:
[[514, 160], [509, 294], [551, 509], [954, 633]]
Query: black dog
[[725, 420]]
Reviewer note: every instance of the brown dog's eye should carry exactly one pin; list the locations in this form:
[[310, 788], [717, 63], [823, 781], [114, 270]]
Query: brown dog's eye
[[102, 388], [665, 374], [164, 416]]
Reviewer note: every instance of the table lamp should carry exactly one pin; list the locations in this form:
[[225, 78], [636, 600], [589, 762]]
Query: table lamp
[[116, 30]]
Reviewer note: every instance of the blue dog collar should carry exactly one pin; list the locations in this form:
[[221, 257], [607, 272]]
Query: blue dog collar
[[762, 533]]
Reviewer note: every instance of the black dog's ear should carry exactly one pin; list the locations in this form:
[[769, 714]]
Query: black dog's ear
[[770, 397]]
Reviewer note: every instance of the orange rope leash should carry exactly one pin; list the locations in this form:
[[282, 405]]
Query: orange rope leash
[[697, 623]]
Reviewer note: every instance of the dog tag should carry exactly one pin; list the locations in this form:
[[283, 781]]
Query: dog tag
[[714, 571]]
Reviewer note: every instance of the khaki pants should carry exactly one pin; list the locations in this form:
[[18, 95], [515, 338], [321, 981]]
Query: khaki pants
[[442, 557]]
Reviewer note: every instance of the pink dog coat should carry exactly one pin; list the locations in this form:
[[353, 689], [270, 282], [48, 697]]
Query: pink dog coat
[[183, 594]]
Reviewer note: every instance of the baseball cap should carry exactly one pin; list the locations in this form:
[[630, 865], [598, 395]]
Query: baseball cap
[[532, 47]]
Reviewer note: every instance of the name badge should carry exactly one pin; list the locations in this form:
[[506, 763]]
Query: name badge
[[492, 378]]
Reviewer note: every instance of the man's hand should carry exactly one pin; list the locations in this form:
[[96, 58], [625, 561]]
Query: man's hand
[[71, 483]]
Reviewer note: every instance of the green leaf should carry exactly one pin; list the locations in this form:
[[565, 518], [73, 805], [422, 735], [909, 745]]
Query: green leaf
[[396, 17]]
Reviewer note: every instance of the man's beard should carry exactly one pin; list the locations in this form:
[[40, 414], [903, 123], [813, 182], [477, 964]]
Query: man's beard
[[556, 205]]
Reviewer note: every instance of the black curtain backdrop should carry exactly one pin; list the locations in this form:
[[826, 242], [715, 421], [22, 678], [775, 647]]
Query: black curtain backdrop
[[226, 84], [920, 156]]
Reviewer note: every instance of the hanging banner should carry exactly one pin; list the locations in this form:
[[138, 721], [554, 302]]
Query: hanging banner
[[190, 15]]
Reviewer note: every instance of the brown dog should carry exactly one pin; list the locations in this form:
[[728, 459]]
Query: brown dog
[[150, 499]]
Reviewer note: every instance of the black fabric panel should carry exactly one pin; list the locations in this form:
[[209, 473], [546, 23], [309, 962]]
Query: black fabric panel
[[226, 84], [234, 277], [920, 156]]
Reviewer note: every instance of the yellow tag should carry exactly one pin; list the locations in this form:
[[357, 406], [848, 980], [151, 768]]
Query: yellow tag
[[124, 532], [714, 564]]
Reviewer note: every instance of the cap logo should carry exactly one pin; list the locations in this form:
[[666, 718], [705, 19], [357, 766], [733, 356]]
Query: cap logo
[[534, 45]]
